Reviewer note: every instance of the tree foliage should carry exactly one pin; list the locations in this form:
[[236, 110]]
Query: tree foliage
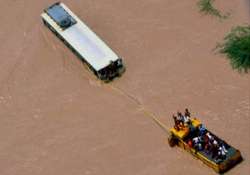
[[207, 7], [236, 47]]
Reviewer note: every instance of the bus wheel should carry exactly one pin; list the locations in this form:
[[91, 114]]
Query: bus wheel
[[172, 141]]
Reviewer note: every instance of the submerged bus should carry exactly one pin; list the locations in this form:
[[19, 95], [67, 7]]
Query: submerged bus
[[76, 35]]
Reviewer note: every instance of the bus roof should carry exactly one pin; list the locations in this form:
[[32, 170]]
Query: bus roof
[[79, 36], [60, 16]]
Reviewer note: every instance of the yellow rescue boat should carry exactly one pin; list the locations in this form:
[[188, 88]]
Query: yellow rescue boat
[[187, 133]]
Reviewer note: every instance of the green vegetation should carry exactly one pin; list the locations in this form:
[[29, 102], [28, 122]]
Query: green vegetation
[[236, 46], [207, 7]]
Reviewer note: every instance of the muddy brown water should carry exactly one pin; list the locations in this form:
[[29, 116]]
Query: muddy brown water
[[57, 118]]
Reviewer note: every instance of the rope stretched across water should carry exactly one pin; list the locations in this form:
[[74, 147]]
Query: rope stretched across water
[[145, 111]]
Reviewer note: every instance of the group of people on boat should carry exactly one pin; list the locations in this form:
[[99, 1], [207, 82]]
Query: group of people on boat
[[203, 140], [181, 121], [208, 143]]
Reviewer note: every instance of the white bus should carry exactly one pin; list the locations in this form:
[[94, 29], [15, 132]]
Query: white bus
[[83, 41]]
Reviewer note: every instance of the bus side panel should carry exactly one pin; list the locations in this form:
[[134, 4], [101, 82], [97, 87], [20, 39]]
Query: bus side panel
[[69, 46]]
